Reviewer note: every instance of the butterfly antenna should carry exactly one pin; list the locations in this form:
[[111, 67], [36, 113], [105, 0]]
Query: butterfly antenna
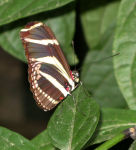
[[74, 60], [103, 59], [107, 57]]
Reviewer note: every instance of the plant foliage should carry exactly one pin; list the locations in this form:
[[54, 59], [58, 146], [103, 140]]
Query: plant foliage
[[100, 29]]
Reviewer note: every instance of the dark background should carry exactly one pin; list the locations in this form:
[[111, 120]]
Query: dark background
[[18, 110]]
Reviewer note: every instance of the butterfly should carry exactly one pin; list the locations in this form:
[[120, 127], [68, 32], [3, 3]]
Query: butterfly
[[50, 77]]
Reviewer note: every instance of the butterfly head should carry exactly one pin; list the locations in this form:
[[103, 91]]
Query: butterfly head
[[75, 75]]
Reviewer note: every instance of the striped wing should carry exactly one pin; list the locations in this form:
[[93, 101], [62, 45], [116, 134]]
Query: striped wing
[[49, 73]]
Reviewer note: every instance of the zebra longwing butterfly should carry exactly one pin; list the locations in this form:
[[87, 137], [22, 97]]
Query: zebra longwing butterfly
[[50, 77]]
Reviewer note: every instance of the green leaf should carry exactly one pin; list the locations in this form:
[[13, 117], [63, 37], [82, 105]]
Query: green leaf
[[113, 121], [125, 44], [43, 142], [98, 74], [20, 9], [74, 121], [133, 146], [10, 140], [10, 41], [96, 17], [59, 23]]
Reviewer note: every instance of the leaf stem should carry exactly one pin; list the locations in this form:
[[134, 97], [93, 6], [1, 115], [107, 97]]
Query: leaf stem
[[130, 132], [112, 142]]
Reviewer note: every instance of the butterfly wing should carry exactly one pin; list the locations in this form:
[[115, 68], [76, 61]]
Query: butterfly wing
[[49, 72]]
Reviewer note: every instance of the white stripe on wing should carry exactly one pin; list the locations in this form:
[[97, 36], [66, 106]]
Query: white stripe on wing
[[54, 61], [55, 83], [32, 27], [42, 42]]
